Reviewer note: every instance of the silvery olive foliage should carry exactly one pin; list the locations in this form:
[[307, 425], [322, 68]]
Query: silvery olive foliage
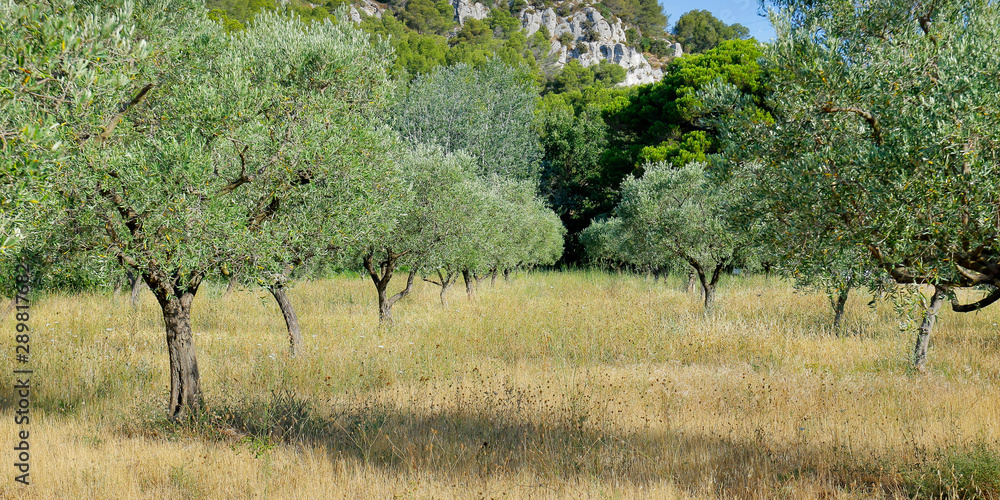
[[884, 141], [441, 207], [673, 214], [885, 136], [488, 112], [63, 69], [234, 153], [511, 229], [246, 150]]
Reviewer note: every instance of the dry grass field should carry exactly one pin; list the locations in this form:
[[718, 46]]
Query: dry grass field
[[554, 385]]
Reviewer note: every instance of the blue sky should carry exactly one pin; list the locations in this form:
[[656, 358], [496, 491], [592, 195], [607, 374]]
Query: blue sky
[[728, 11]]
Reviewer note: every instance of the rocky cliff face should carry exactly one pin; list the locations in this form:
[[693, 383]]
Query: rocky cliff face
[[604, 41], [366, 7], [594, 38], [465, 9]]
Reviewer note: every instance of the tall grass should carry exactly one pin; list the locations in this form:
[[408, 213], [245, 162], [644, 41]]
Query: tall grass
[[554, 385]]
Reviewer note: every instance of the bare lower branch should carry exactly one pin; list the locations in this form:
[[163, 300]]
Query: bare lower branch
[[975, 306], [128, 214], [113, 122], [243, 178], [870, 118]]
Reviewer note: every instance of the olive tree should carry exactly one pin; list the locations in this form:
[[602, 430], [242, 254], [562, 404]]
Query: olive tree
[[463, 252], [436, 213], [681, 213], [488, 112], [608, 242], [885, 140], [509, 228], [527, 232], [213, 160], [331, 130]]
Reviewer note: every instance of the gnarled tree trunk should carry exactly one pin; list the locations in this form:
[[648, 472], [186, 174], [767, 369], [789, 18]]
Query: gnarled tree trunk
[[185, 382], [708, 285], [279, 292], [381, 276], [470, 284], [445, 280], [837, 302], [926, 326]]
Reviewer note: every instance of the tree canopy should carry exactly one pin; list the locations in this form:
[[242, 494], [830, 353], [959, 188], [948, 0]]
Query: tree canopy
[[699, 30], [487, 112], [884, 139], [675, 213]]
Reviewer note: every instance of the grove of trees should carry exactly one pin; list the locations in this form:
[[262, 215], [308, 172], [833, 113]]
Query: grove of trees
[[261, 144], [247, 155], [883, 143]]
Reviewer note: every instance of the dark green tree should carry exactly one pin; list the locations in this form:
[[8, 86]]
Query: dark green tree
[[650, 18], [662, 121], [427, 16], [698, 31]]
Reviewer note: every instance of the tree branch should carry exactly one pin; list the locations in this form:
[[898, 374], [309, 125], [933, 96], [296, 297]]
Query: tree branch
[[113, 122], [984, 302], [129, 215], [406, 291], [870, 118], [243, 178]]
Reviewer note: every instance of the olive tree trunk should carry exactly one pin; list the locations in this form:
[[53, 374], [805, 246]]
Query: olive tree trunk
[[924, 332], [708, 285], [136, 283], [692, 284], [185, 382], [837, 302], [445, 280], [470, 284], [381, 275], [279, 292]]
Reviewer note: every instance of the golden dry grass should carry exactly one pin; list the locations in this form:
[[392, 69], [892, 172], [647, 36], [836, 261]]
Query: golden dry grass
[[554, 385]]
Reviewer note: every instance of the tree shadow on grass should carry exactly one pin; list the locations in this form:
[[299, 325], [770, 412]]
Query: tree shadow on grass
[[561, 446]]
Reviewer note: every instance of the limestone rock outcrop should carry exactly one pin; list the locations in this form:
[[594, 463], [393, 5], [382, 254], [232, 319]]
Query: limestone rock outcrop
[[604, 39], [366, 7], [594, 37], [466, 9]]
